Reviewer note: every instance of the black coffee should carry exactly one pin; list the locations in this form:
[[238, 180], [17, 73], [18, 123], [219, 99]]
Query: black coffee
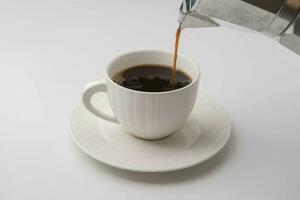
[[151, 78]]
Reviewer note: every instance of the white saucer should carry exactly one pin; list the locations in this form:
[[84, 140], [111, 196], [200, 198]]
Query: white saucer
[[204, 134]]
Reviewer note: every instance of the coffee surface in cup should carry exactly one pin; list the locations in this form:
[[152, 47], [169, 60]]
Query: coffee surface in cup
[[151, 78]]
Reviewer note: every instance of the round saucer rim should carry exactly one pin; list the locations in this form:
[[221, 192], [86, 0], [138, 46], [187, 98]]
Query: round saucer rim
[[156, 170]]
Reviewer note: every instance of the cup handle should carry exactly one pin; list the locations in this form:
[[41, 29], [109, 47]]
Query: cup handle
[[89, 90]]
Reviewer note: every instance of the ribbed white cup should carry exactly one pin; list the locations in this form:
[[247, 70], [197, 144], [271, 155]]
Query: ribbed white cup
[[147, 115]]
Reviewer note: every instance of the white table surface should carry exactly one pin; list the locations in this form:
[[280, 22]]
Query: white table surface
[[50, 49]]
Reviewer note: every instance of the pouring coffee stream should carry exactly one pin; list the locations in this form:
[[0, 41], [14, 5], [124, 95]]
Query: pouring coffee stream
[[177, 37]]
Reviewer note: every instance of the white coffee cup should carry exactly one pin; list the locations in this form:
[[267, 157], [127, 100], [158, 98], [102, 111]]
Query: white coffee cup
[[147, 115]]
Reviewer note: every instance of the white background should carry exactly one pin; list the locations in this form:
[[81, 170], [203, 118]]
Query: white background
[[50, 49]]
